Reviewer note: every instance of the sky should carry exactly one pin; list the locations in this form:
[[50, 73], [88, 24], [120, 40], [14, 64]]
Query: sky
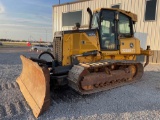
[[27, 19]]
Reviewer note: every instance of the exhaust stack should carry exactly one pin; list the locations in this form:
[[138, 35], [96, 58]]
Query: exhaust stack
[[90, 14]]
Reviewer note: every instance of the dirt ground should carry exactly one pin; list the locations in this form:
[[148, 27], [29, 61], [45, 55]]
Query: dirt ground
[[140, 100]]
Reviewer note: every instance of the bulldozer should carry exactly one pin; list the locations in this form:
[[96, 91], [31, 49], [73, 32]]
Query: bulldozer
[[97, 58]]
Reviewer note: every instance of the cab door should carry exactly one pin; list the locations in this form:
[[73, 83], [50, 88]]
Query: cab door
[[107, 30], [128, 44]]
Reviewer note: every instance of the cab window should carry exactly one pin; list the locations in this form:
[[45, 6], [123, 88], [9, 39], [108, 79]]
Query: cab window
[[95, 20], [124, 25]]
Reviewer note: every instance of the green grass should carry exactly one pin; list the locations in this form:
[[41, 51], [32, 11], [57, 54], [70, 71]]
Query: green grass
[[14, 44]]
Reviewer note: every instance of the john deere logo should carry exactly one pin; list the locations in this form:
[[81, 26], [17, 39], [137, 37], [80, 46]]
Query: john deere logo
[[131, 45]]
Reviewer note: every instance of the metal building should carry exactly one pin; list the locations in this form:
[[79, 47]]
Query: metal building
[[147, 28]]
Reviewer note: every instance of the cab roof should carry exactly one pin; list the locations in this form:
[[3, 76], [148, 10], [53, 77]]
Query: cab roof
[[128, 13]]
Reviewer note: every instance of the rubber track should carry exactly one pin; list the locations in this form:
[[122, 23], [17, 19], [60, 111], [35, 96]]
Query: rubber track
[[137, 77], [14, 107]]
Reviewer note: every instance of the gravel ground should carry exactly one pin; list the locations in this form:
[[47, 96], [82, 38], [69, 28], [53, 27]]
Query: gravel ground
[[139, 100]]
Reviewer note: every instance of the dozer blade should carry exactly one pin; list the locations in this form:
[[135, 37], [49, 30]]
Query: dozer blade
[[34, 85]]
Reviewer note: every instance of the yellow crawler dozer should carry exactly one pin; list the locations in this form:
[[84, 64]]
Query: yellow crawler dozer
[[95, 59]]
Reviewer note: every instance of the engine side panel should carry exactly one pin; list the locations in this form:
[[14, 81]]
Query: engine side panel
[[78, 42]]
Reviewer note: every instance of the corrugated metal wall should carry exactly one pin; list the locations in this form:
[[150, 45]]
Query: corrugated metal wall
[[151, 28]]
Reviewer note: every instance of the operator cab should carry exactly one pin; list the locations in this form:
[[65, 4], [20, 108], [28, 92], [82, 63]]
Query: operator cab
[[112, 24]]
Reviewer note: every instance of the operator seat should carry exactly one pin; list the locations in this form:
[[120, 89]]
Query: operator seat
[[108, 40]]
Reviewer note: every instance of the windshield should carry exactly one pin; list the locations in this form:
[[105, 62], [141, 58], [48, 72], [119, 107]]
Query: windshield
[[124, 26], [95, 20]]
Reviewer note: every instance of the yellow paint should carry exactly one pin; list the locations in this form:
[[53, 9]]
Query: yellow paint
[[125, 46], [78, 43]]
